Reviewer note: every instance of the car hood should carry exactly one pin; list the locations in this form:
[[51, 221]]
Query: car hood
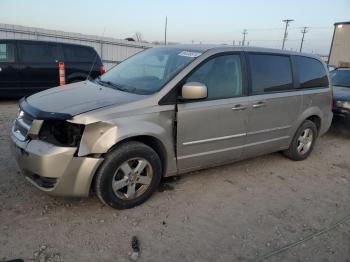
[[341, 93], [77, 98]]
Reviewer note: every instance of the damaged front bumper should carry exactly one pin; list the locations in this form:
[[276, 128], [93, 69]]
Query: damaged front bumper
[[54, 169]]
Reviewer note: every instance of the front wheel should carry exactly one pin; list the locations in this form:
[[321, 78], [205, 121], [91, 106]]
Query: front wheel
[[128, 176], [303, 141]]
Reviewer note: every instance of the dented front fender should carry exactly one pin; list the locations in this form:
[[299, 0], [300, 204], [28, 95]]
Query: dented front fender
[[97, 138]]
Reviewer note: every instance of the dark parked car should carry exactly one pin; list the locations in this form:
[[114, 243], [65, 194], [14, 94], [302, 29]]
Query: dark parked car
[[341, 90], [27, 67]]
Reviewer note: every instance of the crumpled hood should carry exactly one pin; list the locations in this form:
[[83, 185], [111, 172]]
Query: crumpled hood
[[77, 98], [341, 93]]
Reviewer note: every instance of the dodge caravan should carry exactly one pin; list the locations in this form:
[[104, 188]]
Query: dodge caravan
[[167, 111]]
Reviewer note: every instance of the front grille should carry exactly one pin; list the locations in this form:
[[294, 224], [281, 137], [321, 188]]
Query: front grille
[[22, 125]]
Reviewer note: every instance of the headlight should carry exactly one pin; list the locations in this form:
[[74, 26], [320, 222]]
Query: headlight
[[20, 113], [61, 133], [343, 104]]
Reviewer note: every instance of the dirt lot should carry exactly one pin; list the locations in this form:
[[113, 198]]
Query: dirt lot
[[238, 212]]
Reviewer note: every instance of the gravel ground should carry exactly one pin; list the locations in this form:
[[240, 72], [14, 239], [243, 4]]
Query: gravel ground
[[237, 212]]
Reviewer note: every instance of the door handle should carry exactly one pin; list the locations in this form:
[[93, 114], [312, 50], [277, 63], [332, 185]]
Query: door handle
[[238, 108], [0, 69], [259, 104]]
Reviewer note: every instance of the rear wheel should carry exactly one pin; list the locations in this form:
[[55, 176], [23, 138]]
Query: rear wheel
[[303, 141], [128, 176]]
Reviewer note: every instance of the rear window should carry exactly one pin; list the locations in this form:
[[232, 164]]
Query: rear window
[[37, 52], [78, 54], [7, 52], [311, 72], [270, 73]]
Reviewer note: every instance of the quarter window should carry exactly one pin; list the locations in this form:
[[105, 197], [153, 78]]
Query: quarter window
[[311, 72], [78, 54], [270, 73], [7, 52], [222, 75], [37, 52]]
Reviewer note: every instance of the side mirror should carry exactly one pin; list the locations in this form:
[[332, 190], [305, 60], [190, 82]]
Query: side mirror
[[194, 90]]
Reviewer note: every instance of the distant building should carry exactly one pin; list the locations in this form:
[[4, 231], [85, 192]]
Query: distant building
[[339, 54]]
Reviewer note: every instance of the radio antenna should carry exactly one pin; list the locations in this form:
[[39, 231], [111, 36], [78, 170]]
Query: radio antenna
[[94, 62]]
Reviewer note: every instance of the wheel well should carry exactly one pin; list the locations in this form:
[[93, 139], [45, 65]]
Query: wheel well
[[76, 79], [316, 120], [152, 142]]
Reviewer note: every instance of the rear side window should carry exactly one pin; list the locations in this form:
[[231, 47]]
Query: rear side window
[[311, 72], [270, 73], [78, 54], [7, 52], [37, 52], [222, 75]]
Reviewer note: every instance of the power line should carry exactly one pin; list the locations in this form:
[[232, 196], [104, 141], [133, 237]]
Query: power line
[[290, 28], [304, 31], [287, 21]]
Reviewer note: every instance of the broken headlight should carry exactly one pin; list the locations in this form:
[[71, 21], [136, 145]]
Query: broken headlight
[[343, 104], [61, 133]]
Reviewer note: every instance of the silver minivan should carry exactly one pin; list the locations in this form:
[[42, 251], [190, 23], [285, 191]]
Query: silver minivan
[[168, 111]]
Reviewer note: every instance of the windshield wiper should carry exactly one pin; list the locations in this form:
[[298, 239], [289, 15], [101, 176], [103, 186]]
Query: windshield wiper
[[113, 85]]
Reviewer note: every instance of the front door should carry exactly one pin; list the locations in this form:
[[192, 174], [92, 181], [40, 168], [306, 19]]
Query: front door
[[213, 130]]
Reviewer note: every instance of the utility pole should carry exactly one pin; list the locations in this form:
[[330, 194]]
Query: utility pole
[[244, 34], [304, 31], [166, 27], [287, 21]]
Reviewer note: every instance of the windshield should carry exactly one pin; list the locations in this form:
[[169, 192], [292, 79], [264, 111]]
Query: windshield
[[148, 71], [341, 77]]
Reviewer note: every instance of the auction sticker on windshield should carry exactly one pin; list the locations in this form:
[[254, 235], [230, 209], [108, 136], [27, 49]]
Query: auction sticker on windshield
[[189, 54]]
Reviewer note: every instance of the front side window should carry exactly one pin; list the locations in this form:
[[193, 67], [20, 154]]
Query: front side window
[[37, 52], [311, 72], [341, 77], [222, 75], [7, 53], [148, 71], [270, 73]]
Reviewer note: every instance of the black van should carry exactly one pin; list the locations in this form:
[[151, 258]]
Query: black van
[[28, 66]]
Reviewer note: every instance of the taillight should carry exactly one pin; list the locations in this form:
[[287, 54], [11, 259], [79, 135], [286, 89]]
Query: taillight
[[102, 70]]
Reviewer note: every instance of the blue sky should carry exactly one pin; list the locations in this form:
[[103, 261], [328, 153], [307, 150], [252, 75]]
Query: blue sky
[[203, 21]]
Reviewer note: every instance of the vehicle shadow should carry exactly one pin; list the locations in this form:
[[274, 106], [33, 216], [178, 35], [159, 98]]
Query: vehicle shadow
[[340, 128]]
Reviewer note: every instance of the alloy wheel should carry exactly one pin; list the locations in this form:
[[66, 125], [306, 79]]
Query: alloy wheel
[[305, 141], [132, 178]]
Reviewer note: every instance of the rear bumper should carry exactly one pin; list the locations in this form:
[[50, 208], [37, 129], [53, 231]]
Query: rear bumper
[[53, 169], [341, 112]]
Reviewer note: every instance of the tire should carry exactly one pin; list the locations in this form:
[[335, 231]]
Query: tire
[[294, 152], [131, 165]]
